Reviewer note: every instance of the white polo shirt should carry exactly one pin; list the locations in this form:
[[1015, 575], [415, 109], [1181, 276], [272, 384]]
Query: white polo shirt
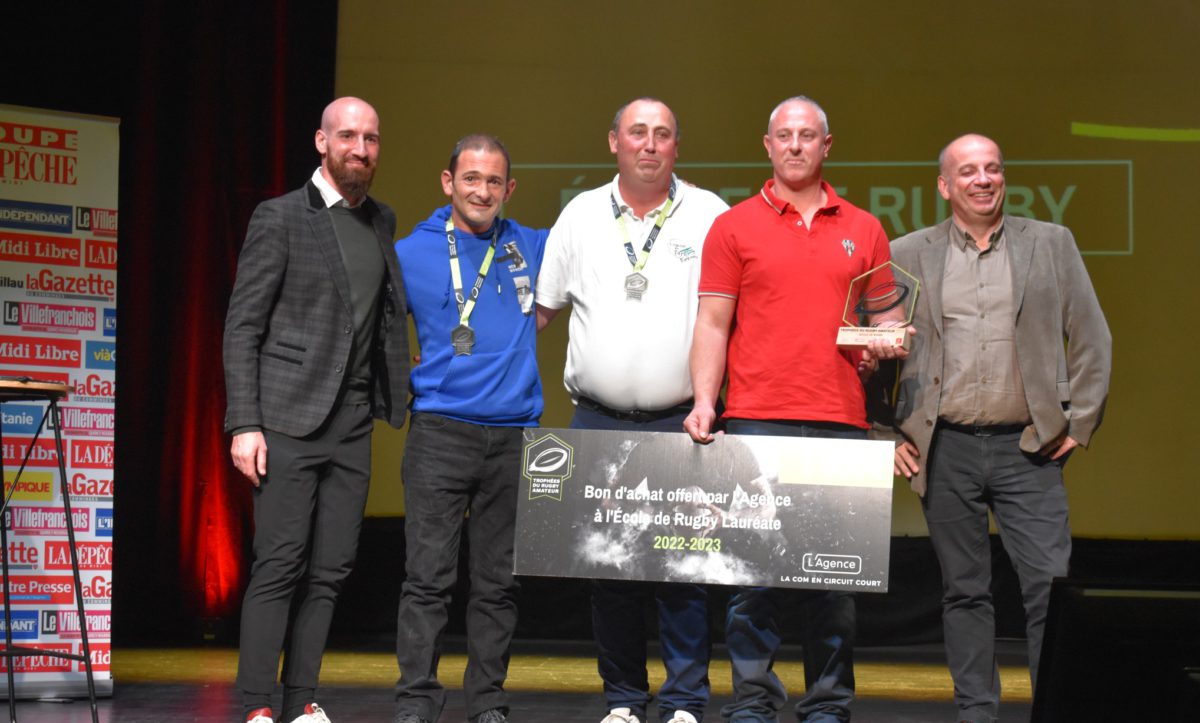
[[628, 354]]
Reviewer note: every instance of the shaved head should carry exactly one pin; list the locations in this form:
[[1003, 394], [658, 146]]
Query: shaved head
[[333, 112]]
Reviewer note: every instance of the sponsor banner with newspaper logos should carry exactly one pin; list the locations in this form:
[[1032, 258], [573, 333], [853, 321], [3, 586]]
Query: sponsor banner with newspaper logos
[[58, 296]]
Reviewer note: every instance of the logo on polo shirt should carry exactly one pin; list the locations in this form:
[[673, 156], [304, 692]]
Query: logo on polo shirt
[[849, 246], [683, 251]]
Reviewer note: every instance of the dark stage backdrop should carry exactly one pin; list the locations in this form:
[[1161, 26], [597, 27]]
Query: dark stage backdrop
[[218, 103]]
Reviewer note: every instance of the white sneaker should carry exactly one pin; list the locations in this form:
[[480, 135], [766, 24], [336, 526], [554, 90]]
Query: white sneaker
[[312, 714], [262, 715], [620, 715], [682, 716]]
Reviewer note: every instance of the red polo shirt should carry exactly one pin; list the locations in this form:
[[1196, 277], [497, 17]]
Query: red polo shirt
[[791, 282]]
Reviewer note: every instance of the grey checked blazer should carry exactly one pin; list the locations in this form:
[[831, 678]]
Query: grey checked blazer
[[289, 330]]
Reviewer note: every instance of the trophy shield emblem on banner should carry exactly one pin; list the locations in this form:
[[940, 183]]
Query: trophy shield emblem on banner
[[888, 290]]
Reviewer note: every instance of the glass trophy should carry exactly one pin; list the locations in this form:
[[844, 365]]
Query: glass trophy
[[879, 305]]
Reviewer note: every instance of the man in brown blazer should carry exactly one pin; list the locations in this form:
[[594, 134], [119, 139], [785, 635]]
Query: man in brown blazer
[[1007, 375], [315, 346]]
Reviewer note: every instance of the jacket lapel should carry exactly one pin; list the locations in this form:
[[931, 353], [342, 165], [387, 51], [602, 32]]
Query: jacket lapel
[[325, 237], [1020, 256], [932, 259]]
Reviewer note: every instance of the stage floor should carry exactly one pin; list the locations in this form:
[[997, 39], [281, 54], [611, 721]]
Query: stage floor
[[549, 682]]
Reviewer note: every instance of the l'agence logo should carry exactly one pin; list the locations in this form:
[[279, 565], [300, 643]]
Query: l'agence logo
[[814, 562]]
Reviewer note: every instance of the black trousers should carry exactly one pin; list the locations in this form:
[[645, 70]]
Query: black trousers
[[451, 469], [307, 517]]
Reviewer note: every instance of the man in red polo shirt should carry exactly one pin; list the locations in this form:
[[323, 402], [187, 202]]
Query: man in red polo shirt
[[775, 274]]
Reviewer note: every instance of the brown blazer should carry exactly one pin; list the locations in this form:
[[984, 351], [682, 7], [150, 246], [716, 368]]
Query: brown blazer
[[1064, 349]]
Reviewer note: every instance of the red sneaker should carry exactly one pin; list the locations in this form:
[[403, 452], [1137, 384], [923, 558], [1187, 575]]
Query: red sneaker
[[312, 714]]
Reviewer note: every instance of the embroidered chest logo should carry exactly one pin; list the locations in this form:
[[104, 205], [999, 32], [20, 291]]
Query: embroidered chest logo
[[849, 246], [683, 251]]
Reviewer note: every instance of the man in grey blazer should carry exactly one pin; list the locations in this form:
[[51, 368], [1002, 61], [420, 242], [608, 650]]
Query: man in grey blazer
[[991, 402], [315, 347]]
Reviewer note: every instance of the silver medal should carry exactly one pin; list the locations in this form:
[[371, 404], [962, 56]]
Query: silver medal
[[463, 339], [635, 286]]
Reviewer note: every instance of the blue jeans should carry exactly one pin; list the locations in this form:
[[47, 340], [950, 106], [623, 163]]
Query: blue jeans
[[451, 468], [752, 630], [617, 621]]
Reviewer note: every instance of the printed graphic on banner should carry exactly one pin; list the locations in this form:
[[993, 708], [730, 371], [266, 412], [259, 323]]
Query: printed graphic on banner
[[23, 555], [41, 351], [34, 486], [101, 355], [22, 450], [40, 590], [38, 154], [93, 286], [65, 624], [30, 216], [100, 254], [93, 388], [104, 522], [28, 248], [20, 419], [87, 421], [101, 655], [91, 555], [744, 510], [48, 520], [58, 285], [99, 221], [24, 625], [41, 663], [547, 463], [97, 590], [52, 318], [91, 454], [90, 487]]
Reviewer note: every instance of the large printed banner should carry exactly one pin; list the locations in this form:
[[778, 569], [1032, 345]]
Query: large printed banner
[[744, 510], [58, 290]]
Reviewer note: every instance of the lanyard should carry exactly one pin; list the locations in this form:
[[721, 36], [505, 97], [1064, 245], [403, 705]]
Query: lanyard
[[466, 306], [639, 263]]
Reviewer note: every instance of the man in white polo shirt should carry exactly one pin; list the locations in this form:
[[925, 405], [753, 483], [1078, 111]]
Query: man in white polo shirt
[[626, 257]]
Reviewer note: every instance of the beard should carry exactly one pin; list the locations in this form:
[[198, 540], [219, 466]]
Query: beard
[[354, 181]]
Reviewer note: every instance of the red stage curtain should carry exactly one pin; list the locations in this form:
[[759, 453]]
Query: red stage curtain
[[222, 100]]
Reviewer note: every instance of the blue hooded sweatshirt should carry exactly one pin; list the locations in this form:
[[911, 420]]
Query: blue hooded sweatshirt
[[497, 384]]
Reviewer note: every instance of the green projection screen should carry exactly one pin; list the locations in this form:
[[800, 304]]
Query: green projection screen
[[1094, 104]]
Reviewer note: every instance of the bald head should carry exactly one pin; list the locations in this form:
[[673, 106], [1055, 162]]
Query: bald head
[[348, 141], [335, 113], [959, 145]]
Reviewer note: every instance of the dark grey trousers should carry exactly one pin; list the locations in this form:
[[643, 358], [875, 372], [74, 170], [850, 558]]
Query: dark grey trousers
[[968, 476]]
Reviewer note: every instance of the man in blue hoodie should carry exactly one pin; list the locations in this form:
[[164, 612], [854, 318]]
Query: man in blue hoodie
[[469, 278]]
